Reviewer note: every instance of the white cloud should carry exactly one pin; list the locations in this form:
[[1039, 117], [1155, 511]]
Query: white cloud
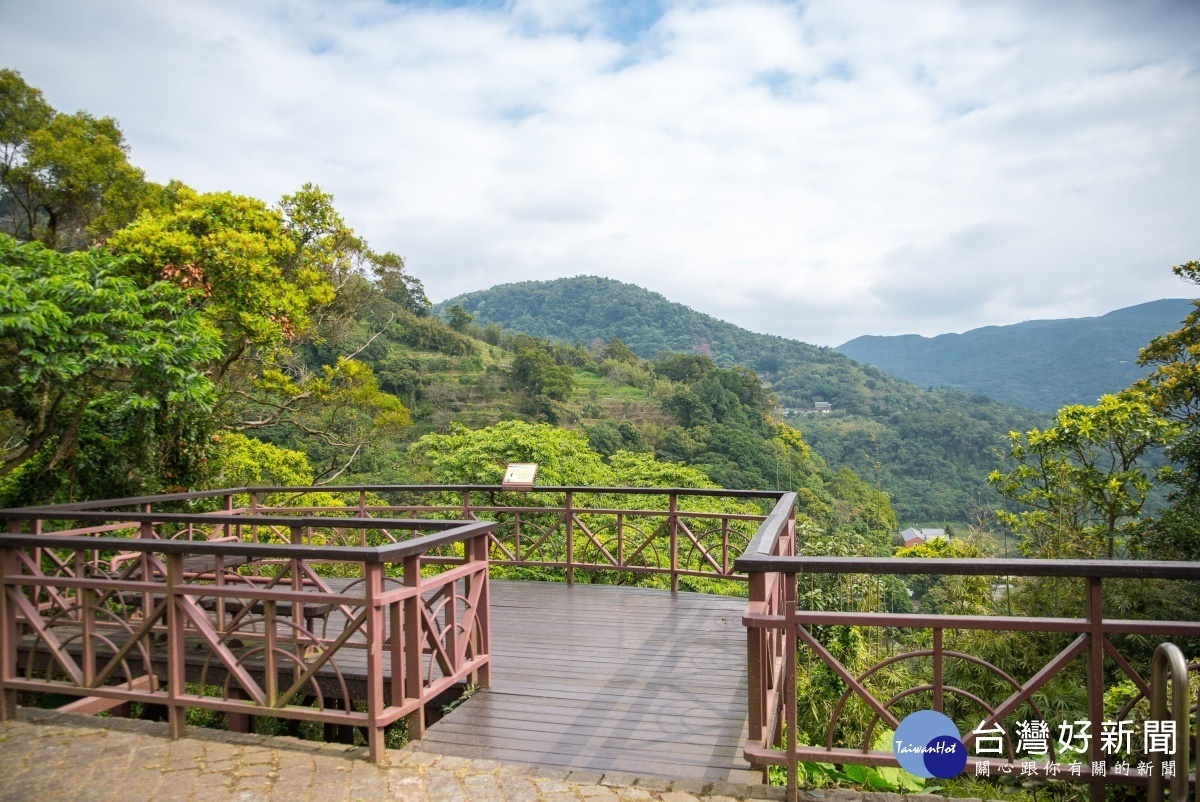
[[820, 172]]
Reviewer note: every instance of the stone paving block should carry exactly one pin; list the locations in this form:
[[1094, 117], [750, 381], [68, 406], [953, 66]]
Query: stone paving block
[[585, 777], [211, 795], [689, 786], [765, 792], [518, 790], [421, 759], [443, 785], [551, 786], [289, 791], [515, 770], [255, 770], [548, 773], [723, 788], [481, 788], [719, 799], [560, 797], [619, 779], [454, 763], [595, 792], [678, 796], [634, 794], [653, 783]]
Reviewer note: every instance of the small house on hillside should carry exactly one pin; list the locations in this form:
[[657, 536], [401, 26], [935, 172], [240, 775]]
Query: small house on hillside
[[915, 537]]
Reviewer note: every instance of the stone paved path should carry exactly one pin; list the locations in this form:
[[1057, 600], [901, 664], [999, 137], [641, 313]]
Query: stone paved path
[[49, 756]]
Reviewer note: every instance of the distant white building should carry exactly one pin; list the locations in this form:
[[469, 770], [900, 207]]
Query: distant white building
[[823, 407], [915, 537]]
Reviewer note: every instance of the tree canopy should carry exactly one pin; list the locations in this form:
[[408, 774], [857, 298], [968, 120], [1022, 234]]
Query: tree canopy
[[78, 334]]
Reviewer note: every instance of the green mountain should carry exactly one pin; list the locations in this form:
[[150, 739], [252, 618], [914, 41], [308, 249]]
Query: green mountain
[[931, 450], [1041, 364]]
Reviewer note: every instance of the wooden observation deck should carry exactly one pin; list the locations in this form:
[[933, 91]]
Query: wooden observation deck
[[609, 679]]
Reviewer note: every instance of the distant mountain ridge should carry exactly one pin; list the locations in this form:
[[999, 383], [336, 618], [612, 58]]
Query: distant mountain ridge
[[931, 450], [1040, 364]]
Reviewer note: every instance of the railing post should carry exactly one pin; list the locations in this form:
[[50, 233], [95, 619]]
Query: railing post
[[789, 682], [8, 628], [570, 540], [413, 641], [254, 526], [176, 711], [483, 614], [673, 526], [1095, 678], [375, 634], [757, 663], [227, 506], [939, 695], [297, 536]]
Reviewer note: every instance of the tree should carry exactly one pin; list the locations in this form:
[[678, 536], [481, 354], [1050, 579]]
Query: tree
[[242, 261], [1083, 479], [480, 456], [271, 280], [65, 179], [535, 372], [1173, 390], [458, 318], [949, 594], [77, 333]]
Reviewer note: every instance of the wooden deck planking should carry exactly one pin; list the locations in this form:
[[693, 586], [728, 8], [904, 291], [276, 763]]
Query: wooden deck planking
[[609, 679]]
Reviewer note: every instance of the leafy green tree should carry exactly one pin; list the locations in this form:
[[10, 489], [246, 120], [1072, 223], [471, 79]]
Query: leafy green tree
[[239, 256], [950, 595], [272, 280], [535, 372], [1173, 389], [618, 351], [65, 179], [481, 456], [458, 318], [1082, 479], [77, 333]]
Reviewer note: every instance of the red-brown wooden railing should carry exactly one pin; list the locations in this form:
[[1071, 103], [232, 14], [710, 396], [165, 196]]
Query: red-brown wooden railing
[[781, 618], [276, 602], [321, 620]]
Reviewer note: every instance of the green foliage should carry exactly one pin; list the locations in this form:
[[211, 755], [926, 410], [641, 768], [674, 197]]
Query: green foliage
[[458, 318], [947, 594], [65, 179], [931, 451], [1082, 479], [464, 456], [1173, 390], [243, 461], [238, 256], [535, 371], [80, 341], [429, 334]]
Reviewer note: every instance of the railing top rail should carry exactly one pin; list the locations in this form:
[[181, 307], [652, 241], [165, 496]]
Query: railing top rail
[[1116, 569], [344, 522], [768, 532], [639, 491], [366, 554]]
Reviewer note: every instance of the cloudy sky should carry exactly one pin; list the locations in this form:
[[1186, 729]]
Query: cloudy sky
[[816, 170]]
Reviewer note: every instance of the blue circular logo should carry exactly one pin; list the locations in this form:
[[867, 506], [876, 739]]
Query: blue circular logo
[[927, 744]]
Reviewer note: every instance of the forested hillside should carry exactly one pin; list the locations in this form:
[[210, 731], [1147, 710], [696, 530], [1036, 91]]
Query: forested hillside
[[1040, 364], [931, 450]]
